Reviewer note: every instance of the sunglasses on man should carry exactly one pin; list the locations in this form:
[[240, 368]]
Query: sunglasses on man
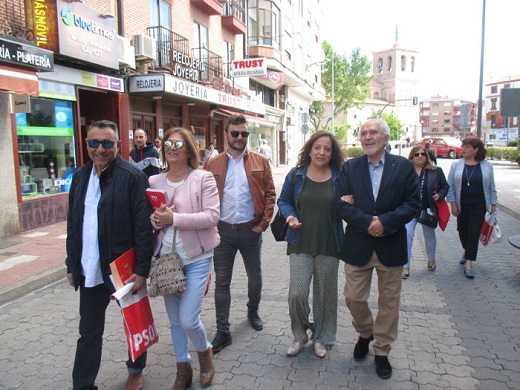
[[235, 134], [94, 143]]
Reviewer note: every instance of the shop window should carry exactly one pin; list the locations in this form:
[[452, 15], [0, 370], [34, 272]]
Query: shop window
[[46, 148]]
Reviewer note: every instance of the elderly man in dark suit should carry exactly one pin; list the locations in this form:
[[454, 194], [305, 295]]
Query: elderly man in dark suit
[[377, 195]]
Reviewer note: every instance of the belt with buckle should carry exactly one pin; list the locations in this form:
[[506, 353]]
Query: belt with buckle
[[240, 226]]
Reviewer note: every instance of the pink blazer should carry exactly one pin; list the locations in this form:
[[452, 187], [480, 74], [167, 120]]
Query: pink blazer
[[197, 211]]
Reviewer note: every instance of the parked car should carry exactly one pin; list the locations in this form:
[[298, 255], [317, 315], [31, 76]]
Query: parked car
[[444, 146]]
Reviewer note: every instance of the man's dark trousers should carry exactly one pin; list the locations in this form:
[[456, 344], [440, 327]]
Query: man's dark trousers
[[249, 243], [93, 302]]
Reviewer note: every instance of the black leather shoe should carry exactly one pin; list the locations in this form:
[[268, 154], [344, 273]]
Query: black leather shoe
[[361, 348], [221, 340], [255, 320], [383, 367]]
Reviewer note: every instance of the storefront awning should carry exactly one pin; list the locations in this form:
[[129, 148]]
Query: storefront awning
[[250, 118], [18, 81]]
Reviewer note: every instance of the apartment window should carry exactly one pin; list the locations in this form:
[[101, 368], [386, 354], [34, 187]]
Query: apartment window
[[435, 113], [201, 46], [447, 122], [447, 112], [493, 89], [268, 96], [435, 130], [263, 26], [288, 55], [229, 55], [447, 104], [403, 63], [435, 104], [380, 65], [493, 104], [412, 64], [389, 59]]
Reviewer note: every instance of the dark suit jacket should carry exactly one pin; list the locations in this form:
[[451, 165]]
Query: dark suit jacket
[[398, 201]]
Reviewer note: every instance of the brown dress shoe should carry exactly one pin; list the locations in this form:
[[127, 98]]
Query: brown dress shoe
[[134, 382], [320, 350], [296, 347]]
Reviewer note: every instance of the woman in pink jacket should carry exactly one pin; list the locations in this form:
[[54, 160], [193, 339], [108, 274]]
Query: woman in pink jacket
[[193, 212]]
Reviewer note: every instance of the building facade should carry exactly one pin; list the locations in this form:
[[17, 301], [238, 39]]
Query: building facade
[[497, 129], [442, 116], [150, 64]]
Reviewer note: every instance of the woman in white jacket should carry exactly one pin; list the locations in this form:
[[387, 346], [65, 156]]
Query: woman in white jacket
[[194, 212], [472, 192]]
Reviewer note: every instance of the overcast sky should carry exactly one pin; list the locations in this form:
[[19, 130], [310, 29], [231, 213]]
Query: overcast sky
[[447, 34]]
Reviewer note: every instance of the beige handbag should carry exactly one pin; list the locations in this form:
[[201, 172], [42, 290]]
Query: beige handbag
[[167, 274]]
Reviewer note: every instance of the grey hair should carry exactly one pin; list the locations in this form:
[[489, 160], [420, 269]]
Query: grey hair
[[383, 126]]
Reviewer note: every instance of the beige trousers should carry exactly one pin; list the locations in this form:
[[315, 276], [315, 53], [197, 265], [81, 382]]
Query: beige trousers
[[357, 290]]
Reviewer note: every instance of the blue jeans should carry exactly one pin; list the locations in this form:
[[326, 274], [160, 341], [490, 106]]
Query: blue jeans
[[430, 241], [184, 310], [249, 244]]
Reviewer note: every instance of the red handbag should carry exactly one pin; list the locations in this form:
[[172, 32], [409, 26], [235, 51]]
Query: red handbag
[[443, 212]]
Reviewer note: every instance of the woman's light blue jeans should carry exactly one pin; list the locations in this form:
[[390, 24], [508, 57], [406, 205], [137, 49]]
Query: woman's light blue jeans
[[184, 310], [430, 241]]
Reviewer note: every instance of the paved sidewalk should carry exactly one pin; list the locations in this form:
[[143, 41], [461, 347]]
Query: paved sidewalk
[[454, 333]]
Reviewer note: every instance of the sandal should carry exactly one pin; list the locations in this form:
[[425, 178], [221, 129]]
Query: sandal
[[406, 273], [432, 265]]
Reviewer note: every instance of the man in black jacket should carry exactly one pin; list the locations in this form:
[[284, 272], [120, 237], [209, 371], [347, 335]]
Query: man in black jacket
[[144, 155], [377, 195], [108, 214]]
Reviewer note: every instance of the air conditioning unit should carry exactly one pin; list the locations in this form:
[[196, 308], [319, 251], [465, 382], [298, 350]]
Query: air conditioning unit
[[145, 47], [125, 52]]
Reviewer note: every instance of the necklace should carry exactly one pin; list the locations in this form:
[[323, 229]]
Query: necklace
[[468, 177]]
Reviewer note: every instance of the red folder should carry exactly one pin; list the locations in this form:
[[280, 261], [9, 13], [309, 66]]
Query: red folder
[[122, 268], [156, 197]]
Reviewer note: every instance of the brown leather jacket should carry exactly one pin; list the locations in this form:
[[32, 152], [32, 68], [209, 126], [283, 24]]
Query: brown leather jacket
[[260, 180]]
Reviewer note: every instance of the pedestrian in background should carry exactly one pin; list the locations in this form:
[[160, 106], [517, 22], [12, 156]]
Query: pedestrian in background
[[193, 213], [158, 146], [472, 192], [432, 187], [108, 214], [144, 155], [314, 239], [210, 153], [385, 197], [430, 152], [247, 197]]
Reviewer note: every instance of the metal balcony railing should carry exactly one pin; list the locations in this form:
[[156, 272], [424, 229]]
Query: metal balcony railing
[[167, 42], [234, 8], [212, 63], [14, 21]]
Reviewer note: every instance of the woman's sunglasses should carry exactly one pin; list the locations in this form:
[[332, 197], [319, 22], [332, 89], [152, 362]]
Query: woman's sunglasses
[[177, 144], [244, 134], [420, 154], [94, 143]]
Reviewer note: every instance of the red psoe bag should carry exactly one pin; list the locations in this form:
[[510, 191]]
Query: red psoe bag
[[487, 228], [138, 321]]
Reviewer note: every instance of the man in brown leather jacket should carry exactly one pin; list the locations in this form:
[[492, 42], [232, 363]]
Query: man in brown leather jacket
[[247, 198]]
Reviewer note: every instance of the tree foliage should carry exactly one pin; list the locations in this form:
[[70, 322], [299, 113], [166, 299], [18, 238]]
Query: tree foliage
[[351, 80], [396, 127]]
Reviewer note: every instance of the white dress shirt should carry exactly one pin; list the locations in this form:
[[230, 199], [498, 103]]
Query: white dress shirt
[[90, 267]]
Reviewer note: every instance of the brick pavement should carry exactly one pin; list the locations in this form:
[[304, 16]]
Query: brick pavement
[[454, 333]]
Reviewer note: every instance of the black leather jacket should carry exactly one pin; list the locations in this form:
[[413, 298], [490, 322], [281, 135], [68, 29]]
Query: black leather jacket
[[123, 218]]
